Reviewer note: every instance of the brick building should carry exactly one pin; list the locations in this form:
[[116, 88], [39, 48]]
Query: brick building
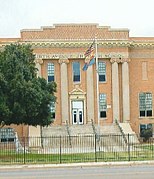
[[125, 66]]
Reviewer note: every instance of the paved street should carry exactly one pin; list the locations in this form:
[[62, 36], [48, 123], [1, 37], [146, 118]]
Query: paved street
[[116, 172]]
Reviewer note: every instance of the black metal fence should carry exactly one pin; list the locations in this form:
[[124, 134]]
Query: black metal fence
[[71, 149]]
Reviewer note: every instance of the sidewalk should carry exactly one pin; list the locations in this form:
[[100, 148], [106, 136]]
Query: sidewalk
[[92, 164]]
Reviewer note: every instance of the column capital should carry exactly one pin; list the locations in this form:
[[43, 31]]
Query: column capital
[[125, 60], [119, 60], [39, 61], [63, 60]]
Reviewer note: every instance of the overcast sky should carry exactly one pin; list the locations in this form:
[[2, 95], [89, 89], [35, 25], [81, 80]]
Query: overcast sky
[[136, 15]]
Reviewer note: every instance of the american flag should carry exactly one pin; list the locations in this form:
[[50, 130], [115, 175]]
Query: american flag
[[90, 50], [89, 56]]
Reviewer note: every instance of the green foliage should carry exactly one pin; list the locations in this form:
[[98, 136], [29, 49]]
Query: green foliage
[[24, 97], [146, 134]]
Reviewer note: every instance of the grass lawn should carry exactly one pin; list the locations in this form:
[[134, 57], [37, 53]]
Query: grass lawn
[[140, 152]]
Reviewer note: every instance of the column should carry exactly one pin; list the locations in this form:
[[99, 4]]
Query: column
[[38, 64], [64, 89], [115, 89], [125, 90], [90, 95]]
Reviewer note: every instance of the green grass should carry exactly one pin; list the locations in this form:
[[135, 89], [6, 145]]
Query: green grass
[[141, 152]]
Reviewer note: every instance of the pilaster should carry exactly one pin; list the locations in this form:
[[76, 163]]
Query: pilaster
[[115, 89], [90, 94], [64, 90], [125, 90]]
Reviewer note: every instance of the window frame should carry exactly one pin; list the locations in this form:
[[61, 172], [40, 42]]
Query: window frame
[[101, 100], [50, 70], [145, 103], [103, 73], [74, 72], [53, 109]]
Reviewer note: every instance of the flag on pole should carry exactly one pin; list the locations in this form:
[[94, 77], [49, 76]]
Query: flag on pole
[[89, 57]]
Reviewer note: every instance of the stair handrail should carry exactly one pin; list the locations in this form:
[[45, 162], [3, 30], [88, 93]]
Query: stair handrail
[[121, 131], [95, 131], [69, 133]]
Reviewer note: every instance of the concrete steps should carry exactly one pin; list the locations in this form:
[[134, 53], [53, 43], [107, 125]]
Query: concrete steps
[[126, 128], [109, 129], [82, 137], [54, 131], [74, 130]]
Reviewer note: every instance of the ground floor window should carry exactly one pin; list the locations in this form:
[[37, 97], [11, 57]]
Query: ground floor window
[[146, 130], [53, 110], [102, 105], [7, 135]]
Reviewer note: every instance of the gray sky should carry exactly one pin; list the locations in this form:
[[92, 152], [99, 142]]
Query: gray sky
[[136, 15]]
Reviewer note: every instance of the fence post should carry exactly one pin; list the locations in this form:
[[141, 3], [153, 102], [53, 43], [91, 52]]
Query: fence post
[[128, 147], [95, 149], [60, 150]]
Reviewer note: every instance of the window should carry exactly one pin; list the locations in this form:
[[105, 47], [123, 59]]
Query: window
[[145, 104], [144, 128], [53, 109], [76, 72], [102, 105], [51, 71], [102, 71], [7, 135]]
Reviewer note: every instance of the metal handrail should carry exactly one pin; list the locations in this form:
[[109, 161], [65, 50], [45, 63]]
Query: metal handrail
[[121, 131]]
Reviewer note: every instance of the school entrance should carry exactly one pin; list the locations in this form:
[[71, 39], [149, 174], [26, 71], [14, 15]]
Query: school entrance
[[77, 112]]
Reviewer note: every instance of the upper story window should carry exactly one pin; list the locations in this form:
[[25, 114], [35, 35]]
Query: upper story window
[[51, 71], [145, 104], [102, 105], [76, 72], [102, 71]]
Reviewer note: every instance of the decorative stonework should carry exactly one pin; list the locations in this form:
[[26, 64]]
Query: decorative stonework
[[39, 61], [83, 43], [66, 61], [77, 93], [119, 60], [77, 55]]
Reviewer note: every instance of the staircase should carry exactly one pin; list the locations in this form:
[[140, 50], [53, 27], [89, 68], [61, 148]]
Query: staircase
[[108, 137], [75, 130], [126, 128], [54, 131], [109, 129]]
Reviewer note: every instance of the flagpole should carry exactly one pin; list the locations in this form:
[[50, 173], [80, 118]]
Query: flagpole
[[97, 85]]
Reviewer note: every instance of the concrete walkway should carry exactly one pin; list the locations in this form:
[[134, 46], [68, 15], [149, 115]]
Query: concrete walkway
[[91, 164]]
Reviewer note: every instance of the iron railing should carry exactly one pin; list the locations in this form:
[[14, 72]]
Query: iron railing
[[57, 149]]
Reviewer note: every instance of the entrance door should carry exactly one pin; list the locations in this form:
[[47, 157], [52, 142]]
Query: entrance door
[[77, 112]]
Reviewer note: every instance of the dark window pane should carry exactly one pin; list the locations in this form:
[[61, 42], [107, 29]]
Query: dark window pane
[[142, 113], [103, 114], [76, 71], [75, 117], [50, 78], [80, 116], [102, 78], [76, 78], [149, 113], [53, 115]]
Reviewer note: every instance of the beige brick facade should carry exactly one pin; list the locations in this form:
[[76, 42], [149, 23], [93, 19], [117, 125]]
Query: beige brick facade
[[129, 70]]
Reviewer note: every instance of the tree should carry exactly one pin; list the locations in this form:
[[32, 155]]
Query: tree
[[24, 97]]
